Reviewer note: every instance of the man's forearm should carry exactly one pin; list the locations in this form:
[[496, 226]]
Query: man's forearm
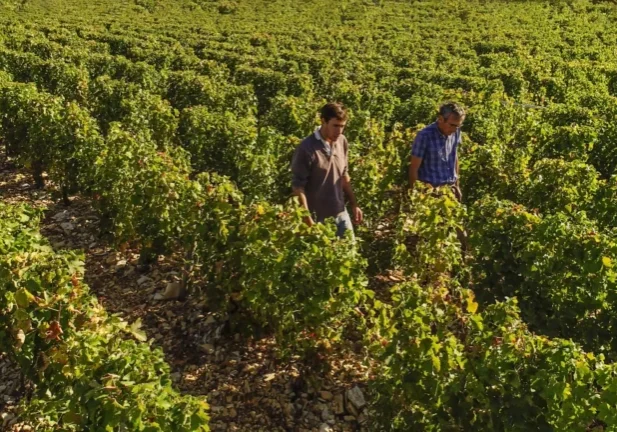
[[413, 177], [349, 191], [299, 192], [457, 172]]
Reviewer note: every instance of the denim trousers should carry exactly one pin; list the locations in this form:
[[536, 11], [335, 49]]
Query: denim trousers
[[343, 224]]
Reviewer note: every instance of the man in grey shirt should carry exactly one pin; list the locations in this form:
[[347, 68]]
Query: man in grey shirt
[[319, 172]]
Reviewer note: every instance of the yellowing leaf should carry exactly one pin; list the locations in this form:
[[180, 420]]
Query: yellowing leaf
[[21, 338], [23, 297], [436, 363], [472, 306], [607, 261], [567, 391], [137, 332]]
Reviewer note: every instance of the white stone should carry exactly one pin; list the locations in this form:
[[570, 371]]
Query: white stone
[[67, 226], [326, 415], [325, 427], [172, 291], [356, 397], [63, 215], [142, 280]]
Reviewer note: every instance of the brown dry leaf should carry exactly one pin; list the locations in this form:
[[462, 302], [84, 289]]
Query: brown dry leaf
[[54, 331]]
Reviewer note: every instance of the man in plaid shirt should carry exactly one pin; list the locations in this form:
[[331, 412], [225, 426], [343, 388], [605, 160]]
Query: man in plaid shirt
[[434, 157]]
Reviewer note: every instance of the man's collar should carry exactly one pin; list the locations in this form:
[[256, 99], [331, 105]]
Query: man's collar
[[439, 130], [319, 137], [318, 134]]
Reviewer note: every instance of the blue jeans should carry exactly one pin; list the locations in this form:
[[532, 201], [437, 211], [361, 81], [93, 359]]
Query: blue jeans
[[343, 223]]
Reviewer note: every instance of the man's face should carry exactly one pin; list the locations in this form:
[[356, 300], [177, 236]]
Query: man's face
[[332, 129], [449, 125]]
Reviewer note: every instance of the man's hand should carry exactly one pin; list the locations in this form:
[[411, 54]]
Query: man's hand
[[414, 166], [309, 221], [299, 192], [357, 215], [457, 192]]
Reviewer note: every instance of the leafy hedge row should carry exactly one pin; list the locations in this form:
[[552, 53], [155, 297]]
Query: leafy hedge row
[[446, 364], [87, 373], [560, 267]]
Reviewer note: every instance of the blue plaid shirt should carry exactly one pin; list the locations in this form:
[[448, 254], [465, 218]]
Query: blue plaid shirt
[[438, 154]]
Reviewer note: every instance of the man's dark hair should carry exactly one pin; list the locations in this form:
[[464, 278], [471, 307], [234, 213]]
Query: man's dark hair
[[449, 108], [333, 110]]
